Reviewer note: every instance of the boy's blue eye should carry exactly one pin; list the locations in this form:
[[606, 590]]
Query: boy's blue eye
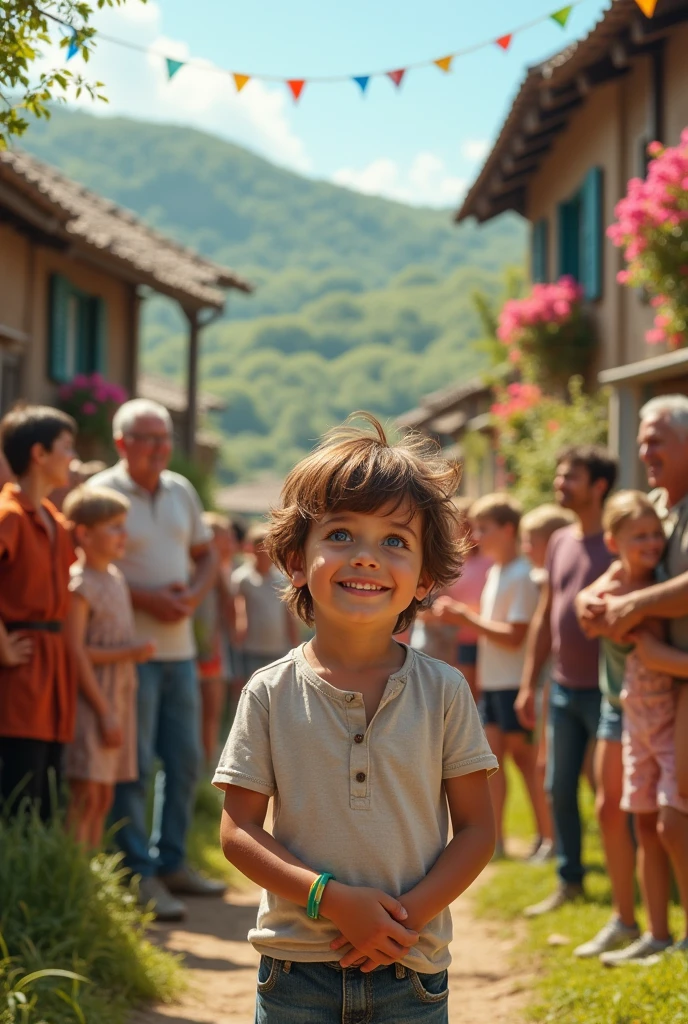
[[395, 542], [341, 535]]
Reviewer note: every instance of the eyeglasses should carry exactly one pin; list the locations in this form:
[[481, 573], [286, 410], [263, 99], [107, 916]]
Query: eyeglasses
[[152, 440]]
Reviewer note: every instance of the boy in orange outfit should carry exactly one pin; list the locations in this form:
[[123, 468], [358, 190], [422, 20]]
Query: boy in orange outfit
[[37, 682]]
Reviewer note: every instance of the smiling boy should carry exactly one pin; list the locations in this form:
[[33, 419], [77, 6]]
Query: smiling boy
[[366, 746]]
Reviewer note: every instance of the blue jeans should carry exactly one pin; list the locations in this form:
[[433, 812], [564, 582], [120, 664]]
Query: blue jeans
[[169, 728], [323, 993], [574, 716]]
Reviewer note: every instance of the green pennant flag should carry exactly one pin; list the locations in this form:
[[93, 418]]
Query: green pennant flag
[[562, 16], [173, 66]]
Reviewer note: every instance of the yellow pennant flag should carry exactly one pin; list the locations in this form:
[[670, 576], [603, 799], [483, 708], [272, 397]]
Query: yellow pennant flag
[[647, 7], [240, 81], [444, 63]]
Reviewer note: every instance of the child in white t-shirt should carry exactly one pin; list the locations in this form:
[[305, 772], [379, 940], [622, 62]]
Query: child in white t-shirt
[[508, 603]]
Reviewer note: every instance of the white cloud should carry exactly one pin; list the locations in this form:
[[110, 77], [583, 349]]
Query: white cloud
[[199, 95], [475, 150], [427, 182]]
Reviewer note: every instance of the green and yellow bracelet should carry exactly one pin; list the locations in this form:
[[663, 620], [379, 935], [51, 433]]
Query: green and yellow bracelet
[[316, 894]]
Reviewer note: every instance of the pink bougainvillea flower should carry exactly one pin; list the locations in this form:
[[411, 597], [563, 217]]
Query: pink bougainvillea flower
[[89, 408]]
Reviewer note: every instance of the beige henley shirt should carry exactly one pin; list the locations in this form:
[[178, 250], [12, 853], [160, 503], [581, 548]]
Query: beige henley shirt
[[366, 804]]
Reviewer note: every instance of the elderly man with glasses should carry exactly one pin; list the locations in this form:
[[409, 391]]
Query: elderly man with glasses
[[169, 565]]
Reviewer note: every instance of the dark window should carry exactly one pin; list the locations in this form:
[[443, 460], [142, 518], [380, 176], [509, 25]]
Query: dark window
[[10, 367], [77, 331], [540, 252], [581, 235]]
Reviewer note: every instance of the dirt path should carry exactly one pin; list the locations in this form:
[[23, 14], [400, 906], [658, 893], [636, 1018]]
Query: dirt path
[[485, 989]]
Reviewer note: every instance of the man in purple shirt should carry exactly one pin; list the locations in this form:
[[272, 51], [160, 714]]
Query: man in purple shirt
[[576, 556]]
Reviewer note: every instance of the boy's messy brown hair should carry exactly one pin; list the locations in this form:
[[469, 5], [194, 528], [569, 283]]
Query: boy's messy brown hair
[[90, 506], [361, 471], [500, 508]]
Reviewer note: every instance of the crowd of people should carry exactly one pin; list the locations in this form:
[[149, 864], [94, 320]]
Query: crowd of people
[[126, 621], [583, 646], [124, 616]]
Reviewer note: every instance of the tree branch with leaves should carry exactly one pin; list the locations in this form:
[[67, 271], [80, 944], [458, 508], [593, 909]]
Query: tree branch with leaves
[[26, 30]]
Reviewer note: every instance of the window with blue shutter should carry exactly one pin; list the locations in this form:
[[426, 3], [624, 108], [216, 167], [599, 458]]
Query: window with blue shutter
[[592, 235], [77, 335], [539, 257], [569, 237]]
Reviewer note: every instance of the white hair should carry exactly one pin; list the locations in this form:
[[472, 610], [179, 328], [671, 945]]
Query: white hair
[[127, 416], [673, 408]]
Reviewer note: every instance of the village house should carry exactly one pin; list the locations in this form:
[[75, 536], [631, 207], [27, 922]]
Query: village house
[[73, 270], [577, 131]]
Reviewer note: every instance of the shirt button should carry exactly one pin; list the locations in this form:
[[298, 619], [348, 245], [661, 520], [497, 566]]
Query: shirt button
[[359, 737], [349, 697], [361, 777]]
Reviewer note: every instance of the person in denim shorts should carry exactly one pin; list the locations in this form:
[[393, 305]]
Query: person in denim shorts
[[367, 747]]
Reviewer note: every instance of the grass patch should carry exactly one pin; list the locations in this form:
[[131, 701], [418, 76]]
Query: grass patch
[[60, 909], [569, 990], [204, 850]]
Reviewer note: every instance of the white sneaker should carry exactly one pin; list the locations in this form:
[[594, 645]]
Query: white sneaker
[[164, 905], [643, 950], [614, 935], [544, 852]]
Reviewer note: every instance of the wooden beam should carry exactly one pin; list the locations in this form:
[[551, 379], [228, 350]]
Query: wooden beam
[[657, 93], [644, 30], [191, 421]]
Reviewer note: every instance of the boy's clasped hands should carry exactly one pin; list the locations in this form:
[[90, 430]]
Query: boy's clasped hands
[[370, 922]]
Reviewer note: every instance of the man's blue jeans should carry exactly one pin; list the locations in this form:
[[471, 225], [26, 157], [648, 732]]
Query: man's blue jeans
[[323, 993], [573, 719], [169, 728]]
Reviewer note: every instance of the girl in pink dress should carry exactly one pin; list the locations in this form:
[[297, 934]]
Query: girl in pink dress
[[100, 626]]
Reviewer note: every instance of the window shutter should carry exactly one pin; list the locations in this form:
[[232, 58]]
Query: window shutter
[[58, 327], [540, 251], [592, 237], [100, 348]]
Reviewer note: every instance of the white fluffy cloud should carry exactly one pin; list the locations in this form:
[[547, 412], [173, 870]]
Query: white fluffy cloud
[[199, 95], [475, 150], [427, 182]]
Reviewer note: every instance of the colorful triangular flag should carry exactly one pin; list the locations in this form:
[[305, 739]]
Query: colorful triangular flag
[[562, 16], [173, 67], [444, 63], [73, 47], [296, 86], [362, 81], [647, 7], [505, 41], [240, 81], [397, 76]]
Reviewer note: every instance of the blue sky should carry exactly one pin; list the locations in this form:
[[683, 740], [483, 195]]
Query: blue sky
[[422, 144]]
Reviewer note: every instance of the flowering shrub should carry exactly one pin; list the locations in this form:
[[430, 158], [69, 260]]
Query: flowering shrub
[[92, 401], [547, 332], [531, 428], [652, 228]]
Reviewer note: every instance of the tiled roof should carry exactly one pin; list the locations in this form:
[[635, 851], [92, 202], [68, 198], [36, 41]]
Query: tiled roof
[[556, 73], [119, 234], [173, 396]]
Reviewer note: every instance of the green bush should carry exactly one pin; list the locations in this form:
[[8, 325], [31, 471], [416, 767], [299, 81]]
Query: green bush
[[62, 910]]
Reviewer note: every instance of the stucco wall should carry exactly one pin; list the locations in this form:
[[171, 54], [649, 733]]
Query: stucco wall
[[610, 131], [24, 302]]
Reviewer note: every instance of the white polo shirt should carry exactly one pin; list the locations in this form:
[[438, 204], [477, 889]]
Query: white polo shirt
[[162, 528], [365, 803]]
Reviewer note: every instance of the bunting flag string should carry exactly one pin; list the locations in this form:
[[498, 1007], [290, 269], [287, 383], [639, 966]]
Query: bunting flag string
[[296, 86]]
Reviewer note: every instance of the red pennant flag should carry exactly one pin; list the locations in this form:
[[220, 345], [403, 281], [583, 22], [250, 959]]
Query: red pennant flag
[[296, 85], [505, 41], [397, 76]]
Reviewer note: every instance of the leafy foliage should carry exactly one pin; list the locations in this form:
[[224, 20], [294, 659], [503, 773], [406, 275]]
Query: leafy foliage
[[360, 302], [61, 910], [26, 27], [532, 432]]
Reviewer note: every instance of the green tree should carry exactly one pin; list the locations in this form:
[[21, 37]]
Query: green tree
[[25, 28]]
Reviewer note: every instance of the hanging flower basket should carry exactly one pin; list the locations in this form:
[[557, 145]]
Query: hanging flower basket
[[652, 228], [548, 333], [92, 402]]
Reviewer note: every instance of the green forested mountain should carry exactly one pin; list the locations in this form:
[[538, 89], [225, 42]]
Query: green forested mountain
[[360, 302]]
